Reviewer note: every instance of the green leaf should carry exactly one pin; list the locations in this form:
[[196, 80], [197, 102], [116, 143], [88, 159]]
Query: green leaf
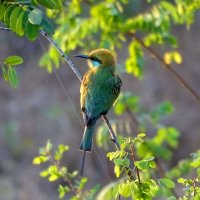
[[115, 192], [124, 162], [152, 164], [32, 31], [168, 6], [7, 14], [40, 159], [58, 4], [19, 24], [82, 183], [117, 170], [167, 182], [53, 169], [44, 173], [181, 180], [5, 74], [35, 17], [62, 191], [137, 140], [143, 164], [74, 173], [125, 189], [141, 135], [13, 60], [53, 177], [14, 18], [134, 64], [12, 77], [25, 21], [2, 10], [54, 55], [47, 3], [145, 187], [47, 26], [63, 148]]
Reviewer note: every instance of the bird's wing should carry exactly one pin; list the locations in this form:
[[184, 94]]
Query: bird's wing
[[85, 93], [116, 83], [97, 98]]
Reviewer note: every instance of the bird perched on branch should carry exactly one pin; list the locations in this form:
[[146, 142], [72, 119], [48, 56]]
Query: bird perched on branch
[[99, 89]]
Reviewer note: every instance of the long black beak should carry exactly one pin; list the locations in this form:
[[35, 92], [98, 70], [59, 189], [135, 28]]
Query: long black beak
[[82, 56]]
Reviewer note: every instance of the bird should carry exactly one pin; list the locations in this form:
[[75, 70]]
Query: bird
[[100, 87]]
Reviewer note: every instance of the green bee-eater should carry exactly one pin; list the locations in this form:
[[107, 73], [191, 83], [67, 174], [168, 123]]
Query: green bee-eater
[[99, 89]]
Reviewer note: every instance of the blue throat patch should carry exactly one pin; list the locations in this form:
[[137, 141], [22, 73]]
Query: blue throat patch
[[95, 63]]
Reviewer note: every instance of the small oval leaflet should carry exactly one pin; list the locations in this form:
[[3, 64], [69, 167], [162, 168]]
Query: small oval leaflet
[[13, 60], [35, 17]]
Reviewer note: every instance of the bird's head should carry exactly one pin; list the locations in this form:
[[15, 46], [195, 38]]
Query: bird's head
[[100, 58]]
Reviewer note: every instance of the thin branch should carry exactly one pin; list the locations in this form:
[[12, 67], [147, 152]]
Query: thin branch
[[69, 62], [134, 160], [65, 177], [161, 171], [5, 29], [194, 186], [151, 50], [168, 67], [112, 133], [79, 76]]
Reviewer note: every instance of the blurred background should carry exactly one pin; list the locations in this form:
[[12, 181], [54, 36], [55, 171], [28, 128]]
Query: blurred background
[[39, 109]]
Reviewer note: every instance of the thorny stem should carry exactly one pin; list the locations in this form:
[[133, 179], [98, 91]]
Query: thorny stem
[[168, 67], [79, 76]]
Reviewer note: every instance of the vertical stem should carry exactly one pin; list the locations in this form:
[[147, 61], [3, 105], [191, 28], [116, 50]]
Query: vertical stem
[[194, 186], [112, 133], [137, 170]]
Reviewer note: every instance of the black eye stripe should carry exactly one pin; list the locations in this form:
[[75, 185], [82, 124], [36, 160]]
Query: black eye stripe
[[95, 59]]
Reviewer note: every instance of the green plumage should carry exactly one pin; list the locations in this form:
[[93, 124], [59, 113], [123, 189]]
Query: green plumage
[[99, 89]]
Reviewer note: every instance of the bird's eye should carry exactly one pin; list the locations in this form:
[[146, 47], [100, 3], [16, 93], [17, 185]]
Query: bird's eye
[[96, 60]]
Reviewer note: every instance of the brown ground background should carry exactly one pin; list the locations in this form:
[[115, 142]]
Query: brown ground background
[[39, 110]]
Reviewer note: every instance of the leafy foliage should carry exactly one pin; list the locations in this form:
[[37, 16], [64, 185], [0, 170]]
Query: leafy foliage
[[55, 171], [111, 24], [117, 25], [9, 72], [24, 18]]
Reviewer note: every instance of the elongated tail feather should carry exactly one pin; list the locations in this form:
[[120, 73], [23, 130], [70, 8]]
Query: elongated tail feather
[[86, 143], [83, 162]]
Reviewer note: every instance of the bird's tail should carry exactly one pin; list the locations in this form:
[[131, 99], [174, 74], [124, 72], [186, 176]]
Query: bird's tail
[[86, 143]]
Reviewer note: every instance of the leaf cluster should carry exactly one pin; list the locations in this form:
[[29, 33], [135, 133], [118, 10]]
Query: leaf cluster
[[26, 18], [55, 171], [8, 70], [111, 23]]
